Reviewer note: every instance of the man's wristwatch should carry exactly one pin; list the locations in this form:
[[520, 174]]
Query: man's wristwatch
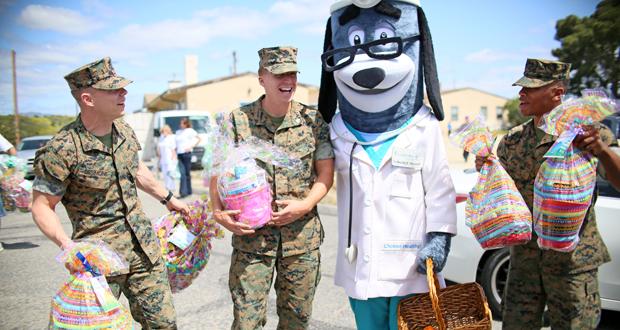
[[167, 198]]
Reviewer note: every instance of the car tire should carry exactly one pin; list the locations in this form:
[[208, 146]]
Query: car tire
[[493, 279]]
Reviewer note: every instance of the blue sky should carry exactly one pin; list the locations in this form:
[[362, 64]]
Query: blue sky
[[480, 43]]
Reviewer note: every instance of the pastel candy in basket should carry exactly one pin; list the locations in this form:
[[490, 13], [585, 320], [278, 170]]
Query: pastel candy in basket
[[248, 191], [185, 242]]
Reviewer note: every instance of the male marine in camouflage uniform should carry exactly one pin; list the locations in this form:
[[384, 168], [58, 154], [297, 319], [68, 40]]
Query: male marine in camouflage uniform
[[92, 167], [565, 281], [290, 243]]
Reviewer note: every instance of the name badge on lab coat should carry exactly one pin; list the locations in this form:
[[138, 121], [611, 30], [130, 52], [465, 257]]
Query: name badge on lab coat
[[409, 158]]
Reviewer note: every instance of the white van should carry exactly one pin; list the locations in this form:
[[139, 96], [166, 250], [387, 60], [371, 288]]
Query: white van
[[201, 122]]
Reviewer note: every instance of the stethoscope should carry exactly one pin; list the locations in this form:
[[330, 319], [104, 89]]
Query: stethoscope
[[351, 251]]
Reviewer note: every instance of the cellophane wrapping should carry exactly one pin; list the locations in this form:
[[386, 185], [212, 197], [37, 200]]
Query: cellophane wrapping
[[76, 304], [495, 210], [185, 264], [566, 180]]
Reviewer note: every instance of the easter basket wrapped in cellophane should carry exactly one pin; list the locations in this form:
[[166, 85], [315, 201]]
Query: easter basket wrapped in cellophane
[[86, 301], [566, 179], [185, 241], [495, 211]]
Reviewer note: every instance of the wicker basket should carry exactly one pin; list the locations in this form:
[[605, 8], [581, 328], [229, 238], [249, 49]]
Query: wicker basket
[[461, 306]]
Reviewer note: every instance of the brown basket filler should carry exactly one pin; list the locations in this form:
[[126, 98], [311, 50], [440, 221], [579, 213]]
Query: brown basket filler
[[461, 306]]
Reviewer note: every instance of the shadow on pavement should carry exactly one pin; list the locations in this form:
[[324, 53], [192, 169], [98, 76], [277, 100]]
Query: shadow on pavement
[[19, 246]]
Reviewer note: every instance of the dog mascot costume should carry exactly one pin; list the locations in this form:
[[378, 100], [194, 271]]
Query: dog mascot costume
[[396, 200]]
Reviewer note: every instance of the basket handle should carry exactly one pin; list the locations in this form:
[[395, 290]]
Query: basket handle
[[433, 286]]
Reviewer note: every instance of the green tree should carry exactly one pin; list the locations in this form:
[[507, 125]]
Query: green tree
[[30, 126], [514, 114], [592, 45]]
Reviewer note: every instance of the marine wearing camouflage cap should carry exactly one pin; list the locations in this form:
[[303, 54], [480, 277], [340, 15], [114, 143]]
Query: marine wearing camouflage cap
[[278, 60], [540, 73], [99, 74]]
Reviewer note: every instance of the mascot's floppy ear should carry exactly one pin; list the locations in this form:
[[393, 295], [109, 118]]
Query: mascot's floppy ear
[[327, 92], [430, 67]]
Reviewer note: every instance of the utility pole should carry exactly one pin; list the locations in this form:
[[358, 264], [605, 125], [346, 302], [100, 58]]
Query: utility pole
[[234, 68], [15, 109]]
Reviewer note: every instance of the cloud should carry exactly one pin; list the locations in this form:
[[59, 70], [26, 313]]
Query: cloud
[[101, 9], [193, 32], [212, 32], [308, 16], [300, 11], [487, 55], [57, 19]]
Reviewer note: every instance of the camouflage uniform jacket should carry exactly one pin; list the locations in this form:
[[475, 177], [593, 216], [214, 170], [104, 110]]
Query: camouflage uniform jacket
[[521, 155], [303, 134], [98, 186]]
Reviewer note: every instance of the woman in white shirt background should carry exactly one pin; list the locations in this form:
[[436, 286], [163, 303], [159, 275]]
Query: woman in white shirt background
[[186, 139], [166, 151]]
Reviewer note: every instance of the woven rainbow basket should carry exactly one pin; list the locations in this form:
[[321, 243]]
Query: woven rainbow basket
[[75, 306], [495, 211], [562, 195]]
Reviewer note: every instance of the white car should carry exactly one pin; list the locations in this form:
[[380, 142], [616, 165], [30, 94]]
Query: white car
[[28, 147], [468, 262]]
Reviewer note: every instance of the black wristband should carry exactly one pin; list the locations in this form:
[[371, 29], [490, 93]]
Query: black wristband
[[167, 198]]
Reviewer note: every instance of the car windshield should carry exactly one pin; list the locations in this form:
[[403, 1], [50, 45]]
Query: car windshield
[[199, 123], [32, 144]]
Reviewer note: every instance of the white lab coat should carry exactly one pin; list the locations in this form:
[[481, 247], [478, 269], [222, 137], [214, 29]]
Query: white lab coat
[[393, 208]]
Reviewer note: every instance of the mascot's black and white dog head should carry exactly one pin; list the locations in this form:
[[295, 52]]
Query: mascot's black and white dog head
[[376, 55]]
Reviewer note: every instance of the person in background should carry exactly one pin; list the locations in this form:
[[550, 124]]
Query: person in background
[[566, 282], [289, 245], [5, 148], [186, 139], [166, 152], [465, 152], [92, 167]]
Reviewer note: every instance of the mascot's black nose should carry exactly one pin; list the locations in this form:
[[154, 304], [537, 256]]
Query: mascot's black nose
[[369, 78]]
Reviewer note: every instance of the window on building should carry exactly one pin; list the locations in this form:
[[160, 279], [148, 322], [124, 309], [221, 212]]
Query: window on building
[[454, 113], [499, 112], [483, 112]]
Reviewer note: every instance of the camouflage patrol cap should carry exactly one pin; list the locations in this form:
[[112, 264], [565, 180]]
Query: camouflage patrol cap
[[278, 60], [540, 73], [99, 75]]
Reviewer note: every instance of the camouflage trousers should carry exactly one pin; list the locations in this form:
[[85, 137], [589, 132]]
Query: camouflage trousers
[[250, 279], [148, 292], [572, 299]]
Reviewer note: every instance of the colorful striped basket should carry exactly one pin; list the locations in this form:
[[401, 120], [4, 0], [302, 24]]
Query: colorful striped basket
[[566, 180], [562, 195], [78, 304], [495, 211], [75, 306]]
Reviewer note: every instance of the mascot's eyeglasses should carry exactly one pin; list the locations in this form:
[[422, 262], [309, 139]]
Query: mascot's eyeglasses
[[381, 49]]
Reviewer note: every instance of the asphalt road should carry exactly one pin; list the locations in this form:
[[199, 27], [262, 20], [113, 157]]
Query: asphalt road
[[29, 277]]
